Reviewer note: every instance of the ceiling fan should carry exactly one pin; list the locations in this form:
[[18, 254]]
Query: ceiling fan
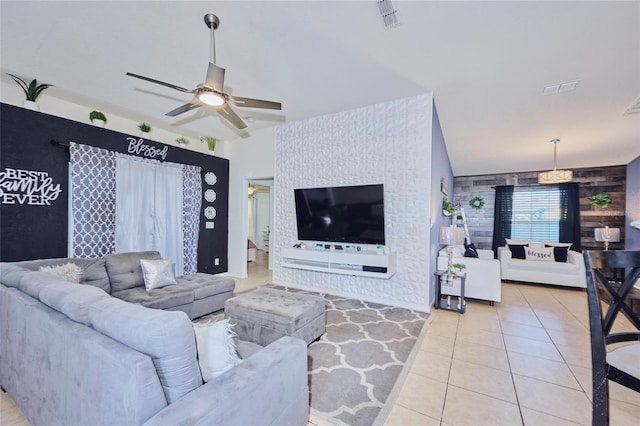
[[211, 92]]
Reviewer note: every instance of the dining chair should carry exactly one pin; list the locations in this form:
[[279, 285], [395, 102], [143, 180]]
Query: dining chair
[[609, 359]]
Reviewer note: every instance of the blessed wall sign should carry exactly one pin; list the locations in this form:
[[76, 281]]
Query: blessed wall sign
[[29, 187], [138, 147]]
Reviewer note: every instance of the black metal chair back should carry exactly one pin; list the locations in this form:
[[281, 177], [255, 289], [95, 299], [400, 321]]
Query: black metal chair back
[[599, 287]]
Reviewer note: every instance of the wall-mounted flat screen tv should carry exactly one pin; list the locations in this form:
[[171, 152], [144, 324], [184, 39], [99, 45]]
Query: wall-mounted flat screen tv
[[341, 214]]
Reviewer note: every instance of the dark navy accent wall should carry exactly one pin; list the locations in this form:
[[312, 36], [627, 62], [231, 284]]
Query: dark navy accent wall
[[33, 224]]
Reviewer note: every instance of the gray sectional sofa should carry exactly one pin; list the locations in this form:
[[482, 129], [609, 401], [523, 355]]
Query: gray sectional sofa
[[120, 275], [72, 354]]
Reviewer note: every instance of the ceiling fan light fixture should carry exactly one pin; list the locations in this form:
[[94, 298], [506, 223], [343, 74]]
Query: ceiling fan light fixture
[[555, 175], [211, 98]]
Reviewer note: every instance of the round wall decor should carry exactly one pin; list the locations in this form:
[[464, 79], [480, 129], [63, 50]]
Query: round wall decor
[[210, 195], [210, 213], [210, 178]]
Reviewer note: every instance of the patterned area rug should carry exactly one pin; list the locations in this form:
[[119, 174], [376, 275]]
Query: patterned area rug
[[354, 366]]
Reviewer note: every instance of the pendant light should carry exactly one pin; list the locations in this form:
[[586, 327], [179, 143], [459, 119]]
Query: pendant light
[[555, 175]]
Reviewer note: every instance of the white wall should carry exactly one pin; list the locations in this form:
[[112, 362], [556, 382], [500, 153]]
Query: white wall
[[388, 143], [249, 159]]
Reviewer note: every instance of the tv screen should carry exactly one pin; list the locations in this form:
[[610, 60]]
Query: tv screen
[[341, 214]]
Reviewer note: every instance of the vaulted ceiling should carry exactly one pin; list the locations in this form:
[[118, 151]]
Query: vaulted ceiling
[[487, 64]]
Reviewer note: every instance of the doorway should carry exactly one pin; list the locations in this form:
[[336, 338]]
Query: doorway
[[259, 222]]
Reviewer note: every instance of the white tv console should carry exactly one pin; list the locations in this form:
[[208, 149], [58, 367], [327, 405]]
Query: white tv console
[[362, 263]]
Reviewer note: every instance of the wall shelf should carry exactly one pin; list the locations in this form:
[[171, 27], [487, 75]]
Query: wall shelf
[[366, 264]]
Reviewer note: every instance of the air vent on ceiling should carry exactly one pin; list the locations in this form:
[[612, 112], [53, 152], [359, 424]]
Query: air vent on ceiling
[[634, 108], [560, 87], [388, 13]]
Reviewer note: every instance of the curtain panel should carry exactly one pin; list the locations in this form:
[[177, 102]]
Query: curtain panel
[[191, 206], [93, 201], [149, 208], [94, 204], [570, 214], [503, 212]]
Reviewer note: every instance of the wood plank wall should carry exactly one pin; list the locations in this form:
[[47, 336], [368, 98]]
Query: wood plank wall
[[593, 180]]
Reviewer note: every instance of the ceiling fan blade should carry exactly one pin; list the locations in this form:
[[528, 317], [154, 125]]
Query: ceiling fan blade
[[184, 108], [215, 77], [228, 114], [254, 103], [173, 86]]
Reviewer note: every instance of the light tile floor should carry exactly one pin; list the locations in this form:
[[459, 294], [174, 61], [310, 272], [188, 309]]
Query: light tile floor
[[523, 361]]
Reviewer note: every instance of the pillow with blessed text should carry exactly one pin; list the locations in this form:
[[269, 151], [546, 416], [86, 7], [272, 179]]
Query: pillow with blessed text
[[544, 254]]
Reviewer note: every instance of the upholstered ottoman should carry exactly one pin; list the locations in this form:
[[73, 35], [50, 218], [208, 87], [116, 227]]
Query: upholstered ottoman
[[266, 314]]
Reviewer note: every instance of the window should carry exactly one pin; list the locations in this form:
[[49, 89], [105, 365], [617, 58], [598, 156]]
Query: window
[[537, 213]]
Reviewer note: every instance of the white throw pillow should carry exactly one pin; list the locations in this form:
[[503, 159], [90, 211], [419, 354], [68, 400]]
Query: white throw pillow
[[554, 244], [518, 242], [544, 254], [157, 273], [216, 349], [69, 271]]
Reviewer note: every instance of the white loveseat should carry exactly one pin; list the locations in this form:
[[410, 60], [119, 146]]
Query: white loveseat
[[483, 275], [570, 273]]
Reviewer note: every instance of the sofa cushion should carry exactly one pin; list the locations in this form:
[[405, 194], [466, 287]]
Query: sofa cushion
[[93, 270], [124, 269], [166, 336], [157, 273], [205, 285], [161, 298], [33, 282], [94, 273], [11, 274], [72, 300], [547, 267]]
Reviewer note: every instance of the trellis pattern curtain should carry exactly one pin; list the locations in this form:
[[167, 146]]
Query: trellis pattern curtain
[[94, 202], [191, 205]]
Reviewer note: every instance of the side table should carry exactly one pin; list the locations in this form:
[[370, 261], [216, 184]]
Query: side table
[[443, 278]]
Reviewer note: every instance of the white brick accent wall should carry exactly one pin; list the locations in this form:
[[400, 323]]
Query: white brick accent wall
[[388, 143]]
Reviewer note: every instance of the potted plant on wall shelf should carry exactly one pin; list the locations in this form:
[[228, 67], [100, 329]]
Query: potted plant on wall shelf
[[211, 143], [97, 118], [182, 141], [145, 128], [447, 207], [601, 200], [31, 91]]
